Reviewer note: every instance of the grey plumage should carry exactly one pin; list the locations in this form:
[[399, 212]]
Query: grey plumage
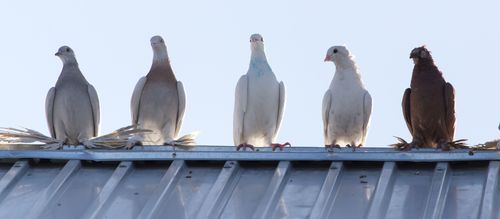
[[72, 106], [159, 101]]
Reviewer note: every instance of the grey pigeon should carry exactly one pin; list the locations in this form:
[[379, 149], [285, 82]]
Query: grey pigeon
[[347, 105], [259, 102], [72, 106], [159, 101]]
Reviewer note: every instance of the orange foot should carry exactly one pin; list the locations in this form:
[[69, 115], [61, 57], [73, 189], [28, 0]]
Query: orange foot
[[281, 146], [245, 145]]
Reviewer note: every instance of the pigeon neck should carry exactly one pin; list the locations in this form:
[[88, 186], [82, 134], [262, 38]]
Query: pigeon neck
[[258, 53], [346, 69], [258, 60], [70, 71], [160, 56], [69, 60], [345, 62]]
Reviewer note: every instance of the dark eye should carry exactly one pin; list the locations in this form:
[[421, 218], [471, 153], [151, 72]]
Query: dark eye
[[68, 50], [262, 39], [335, 50]]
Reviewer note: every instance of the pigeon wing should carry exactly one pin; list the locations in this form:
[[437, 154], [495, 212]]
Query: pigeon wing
[[449, 98], [94, 102], [181, 108], [327, 104], [406, 109], [281, 107], [240, 106], [367, 111], [49, 111], [136, 99]]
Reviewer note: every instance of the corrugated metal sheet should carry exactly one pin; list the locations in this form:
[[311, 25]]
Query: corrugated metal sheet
[[217, 182]]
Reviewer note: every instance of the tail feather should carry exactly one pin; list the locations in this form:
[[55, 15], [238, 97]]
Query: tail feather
[[185, 140], [489, 145], [120, 138], [25, 136]]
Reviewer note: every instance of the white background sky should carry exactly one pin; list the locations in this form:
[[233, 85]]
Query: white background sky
[[208, 46]]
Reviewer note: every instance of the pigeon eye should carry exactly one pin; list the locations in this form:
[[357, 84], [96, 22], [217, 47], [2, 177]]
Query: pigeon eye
[[262, 39], [335, 51], [67, 50]]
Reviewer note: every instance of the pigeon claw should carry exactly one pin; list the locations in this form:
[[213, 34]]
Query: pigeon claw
[[244, 146], [353, 146], [328, 146], [403, 145], [280, 146], [458, 144]]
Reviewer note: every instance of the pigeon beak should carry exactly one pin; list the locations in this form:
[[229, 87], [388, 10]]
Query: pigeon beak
[[328, 58], [57, 54]]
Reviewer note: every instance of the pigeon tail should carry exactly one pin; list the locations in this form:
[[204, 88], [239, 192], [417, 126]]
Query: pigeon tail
[[121, 138], [185, 140]]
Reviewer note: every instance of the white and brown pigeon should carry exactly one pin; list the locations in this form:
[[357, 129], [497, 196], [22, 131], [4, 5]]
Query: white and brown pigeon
[[259, 102], [347, 105], [159, 101]]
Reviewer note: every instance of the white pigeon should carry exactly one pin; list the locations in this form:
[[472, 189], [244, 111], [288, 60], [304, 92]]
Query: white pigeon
[[347, 105], [159, 101], [72, 106], [259, 102]]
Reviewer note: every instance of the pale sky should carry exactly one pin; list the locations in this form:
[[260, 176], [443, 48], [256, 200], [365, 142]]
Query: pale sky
[[209, 50]]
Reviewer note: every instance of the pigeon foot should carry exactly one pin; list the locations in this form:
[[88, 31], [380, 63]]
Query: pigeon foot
[[244, 146], [331, 146], [281, 146]]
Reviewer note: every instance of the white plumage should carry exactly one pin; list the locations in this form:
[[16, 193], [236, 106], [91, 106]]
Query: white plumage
[[347, 105], [259, 101]]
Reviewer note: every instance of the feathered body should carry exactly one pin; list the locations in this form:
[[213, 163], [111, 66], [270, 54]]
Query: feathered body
[[72, 106], [158, 101], [259, 101], [346, 104], [429, 103]]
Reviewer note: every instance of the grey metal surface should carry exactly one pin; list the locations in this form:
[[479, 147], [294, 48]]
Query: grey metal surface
[[211, 183], [224, 153]]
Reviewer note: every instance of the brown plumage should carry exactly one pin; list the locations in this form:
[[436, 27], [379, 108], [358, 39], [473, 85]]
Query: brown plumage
[[429, 105]]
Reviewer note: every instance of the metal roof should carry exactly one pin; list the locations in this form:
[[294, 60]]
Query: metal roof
[[218, 182]]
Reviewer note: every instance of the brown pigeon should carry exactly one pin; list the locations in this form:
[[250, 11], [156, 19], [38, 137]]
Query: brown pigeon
[[429, 106]]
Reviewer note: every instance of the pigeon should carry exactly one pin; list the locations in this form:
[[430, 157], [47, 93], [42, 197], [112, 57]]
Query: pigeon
[[347, 105], [498, 143], [159, 101], [429, 106], [259, 102], [72, 106]]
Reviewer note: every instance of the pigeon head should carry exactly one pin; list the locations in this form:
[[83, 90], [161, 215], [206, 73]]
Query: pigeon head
[[420, 53], [66, 54], [336, 53], [159, 48], [256, 42], [255, 38], [156, 41]]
